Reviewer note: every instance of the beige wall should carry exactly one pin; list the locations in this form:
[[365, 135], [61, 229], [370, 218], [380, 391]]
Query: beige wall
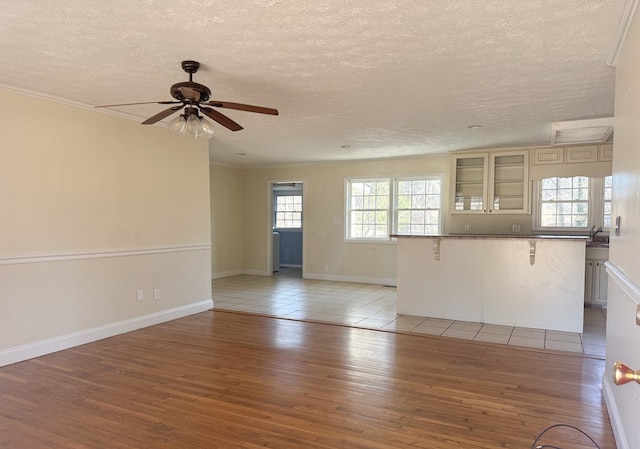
[[93, 208], [324, 204], [623, 335], [226, 220], [324, 209]]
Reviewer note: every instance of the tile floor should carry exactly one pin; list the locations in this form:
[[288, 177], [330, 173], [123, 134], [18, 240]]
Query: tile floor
[[373, 306]]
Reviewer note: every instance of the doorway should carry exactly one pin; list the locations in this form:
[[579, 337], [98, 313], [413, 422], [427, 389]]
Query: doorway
[[287, 227]]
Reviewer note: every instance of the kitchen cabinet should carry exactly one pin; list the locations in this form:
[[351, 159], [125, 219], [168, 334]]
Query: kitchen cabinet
[[573, 154], [547, 156], [605, 153], [490, 183], [587, 153], [595, 283], [595, 277]]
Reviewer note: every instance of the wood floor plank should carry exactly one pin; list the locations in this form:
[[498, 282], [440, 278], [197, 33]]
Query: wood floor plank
[[231, 380]]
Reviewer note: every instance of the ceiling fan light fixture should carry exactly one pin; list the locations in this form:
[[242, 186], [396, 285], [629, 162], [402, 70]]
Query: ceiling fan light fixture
[[195, 98], [207, 128], [178, 125], [194, 126]]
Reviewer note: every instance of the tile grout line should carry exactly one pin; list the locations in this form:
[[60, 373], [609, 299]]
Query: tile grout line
[[265, 293]]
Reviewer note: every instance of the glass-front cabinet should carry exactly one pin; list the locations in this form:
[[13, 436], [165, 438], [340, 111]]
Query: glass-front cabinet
[[509, 191], [470, 185], [491, 183]]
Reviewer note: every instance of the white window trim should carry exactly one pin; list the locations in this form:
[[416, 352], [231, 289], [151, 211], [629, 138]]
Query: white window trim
[[430, 177], [274, 212], [596, 209], [347, 214], [275, 207], [392, 212], [596, 215]]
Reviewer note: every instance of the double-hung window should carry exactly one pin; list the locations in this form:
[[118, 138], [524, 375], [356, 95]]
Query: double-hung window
[[379, 207], [606, 201], [288, 211], [418, 205], [368, 209], [573, 203], [564, 202]]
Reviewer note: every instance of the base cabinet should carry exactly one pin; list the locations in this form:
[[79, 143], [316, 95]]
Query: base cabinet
[[595, 283]]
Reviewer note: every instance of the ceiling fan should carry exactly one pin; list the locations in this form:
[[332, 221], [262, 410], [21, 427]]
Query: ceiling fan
[[194, 98]]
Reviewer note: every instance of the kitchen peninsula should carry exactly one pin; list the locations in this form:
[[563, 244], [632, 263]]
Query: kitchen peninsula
[[534, 281]]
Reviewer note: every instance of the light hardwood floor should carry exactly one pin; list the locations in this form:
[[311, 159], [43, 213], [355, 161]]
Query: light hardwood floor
[[231, 380]]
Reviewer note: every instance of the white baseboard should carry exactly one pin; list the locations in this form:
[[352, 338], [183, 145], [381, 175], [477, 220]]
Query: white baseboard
[[50, 345], [359, 279], [225, 274], [256, 272], [614, 415]]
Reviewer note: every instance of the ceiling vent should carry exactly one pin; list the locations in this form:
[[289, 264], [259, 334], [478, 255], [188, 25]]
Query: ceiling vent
[[582, 131]]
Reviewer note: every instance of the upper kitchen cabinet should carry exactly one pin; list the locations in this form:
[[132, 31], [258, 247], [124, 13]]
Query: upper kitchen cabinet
[[576, 154], [509, 182], [605, 153], [470, 183], [586, 153], [490, 183]]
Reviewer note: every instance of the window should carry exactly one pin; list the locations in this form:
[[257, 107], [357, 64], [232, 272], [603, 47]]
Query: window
[[564, 202], [606, 202], [368, 209], [418, 206], [577, 203], [288, 211], [379, 207]]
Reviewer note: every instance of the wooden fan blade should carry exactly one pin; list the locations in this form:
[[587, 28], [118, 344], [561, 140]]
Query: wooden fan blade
[[160, 115], [220, 118], [190, 94], [131, 104], [243, 107]]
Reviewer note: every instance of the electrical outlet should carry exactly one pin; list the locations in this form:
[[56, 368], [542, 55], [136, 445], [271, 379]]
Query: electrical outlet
[[140, 295], [466, 228], [156, 293], [515, 228], [325, 268]]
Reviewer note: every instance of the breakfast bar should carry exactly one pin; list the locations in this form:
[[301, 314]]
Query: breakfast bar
[[534, 281]]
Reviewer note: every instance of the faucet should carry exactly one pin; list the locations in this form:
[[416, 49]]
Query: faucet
[[594, 232]]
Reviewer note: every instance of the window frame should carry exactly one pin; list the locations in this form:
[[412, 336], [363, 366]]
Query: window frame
[[348, 209], [392, 205], [275, 209], [396, 193], [596, 203]]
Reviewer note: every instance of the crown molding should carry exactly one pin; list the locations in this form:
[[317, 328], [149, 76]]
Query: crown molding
[[74, 104], [623, 28]]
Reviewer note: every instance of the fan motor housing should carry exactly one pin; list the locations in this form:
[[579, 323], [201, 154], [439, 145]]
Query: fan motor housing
[[204, 91]]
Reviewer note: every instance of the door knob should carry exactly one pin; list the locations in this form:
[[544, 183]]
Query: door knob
[[623, 374]]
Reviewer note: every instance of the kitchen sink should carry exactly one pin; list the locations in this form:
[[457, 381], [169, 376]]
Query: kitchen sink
[[600, 239]]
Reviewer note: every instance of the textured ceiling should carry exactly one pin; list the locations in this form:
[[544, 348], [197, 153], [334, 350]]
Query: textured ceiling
[[353, 79]]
